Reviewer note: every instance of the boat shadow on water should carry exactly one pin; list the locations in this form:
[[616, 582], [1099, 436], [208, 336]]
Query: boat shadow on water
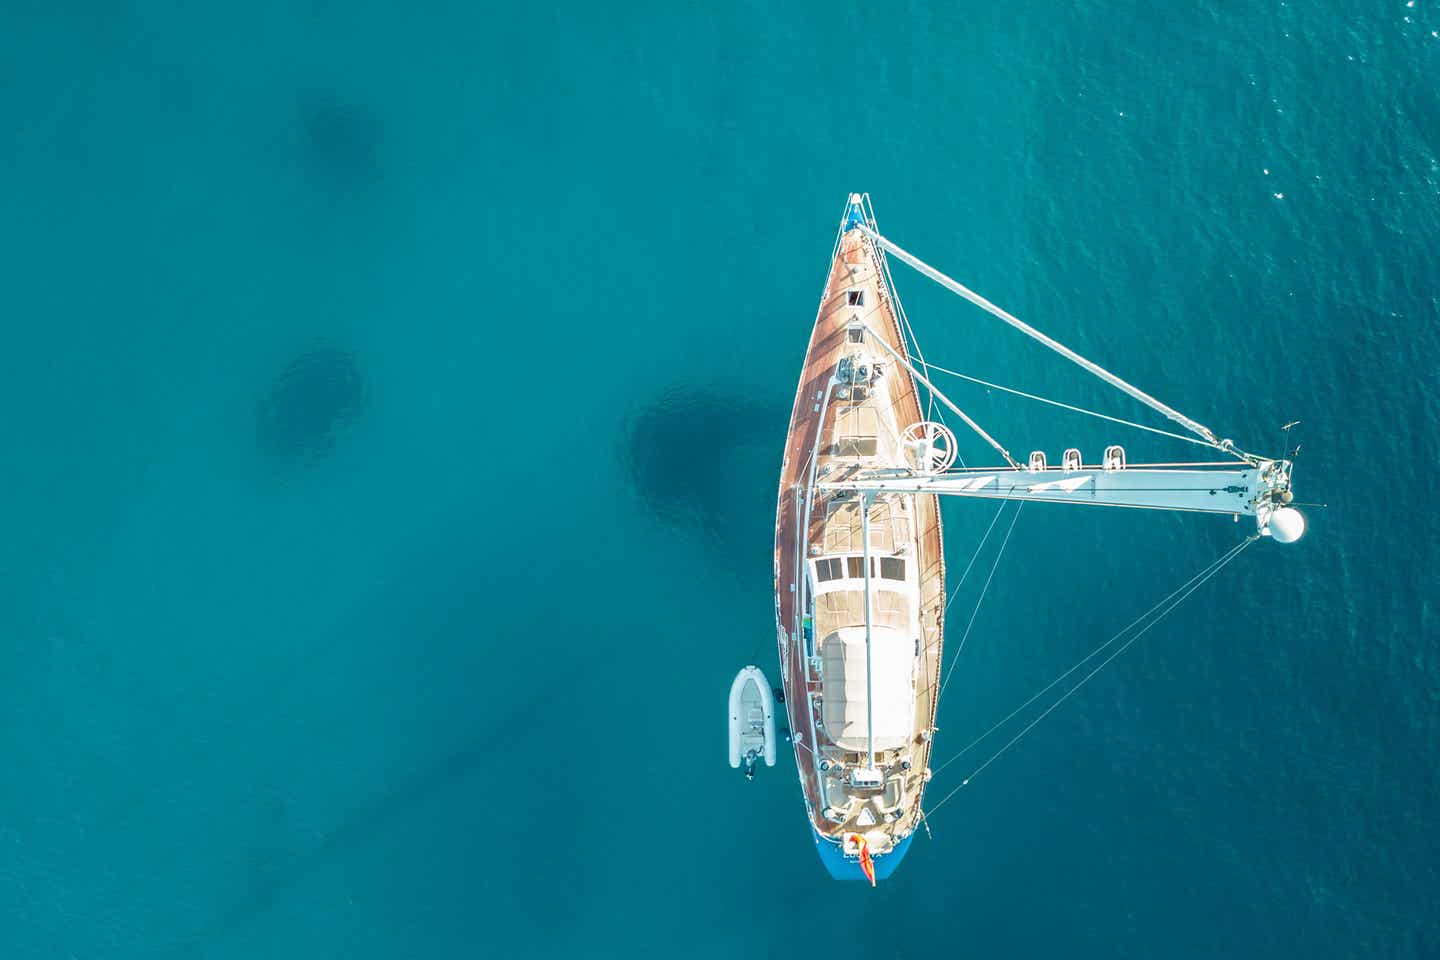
[[700, 459], [342, 140], [310, 403]]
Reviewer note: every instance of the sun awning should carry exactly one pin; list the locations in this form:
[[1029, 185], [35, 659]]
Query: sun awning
[[892, 682]]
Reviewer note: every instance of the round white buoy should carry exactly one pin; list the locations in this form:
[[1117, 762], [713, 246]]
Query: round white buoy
[[1287, 525]]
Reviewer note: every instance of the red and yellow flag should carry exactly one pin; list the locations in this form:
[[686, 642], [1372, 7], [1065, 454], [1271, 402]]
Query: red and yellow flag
[[867, 863]]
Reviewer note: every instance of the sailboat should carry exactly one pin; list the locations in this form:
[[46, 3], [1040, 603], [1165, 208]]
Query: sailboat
[[860, 591]]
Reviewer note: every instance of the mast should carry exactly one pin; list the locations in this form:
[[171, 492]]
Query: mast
[[869, 700]]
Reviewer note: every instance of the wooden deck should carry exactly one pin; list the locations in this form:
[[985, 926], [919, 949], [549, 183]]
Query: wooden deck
[[856, 267]]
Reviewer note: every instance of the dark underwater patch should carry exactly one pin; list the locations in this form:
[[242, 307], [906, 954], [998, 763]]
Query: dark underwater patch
[[709, 458], [310, 402], [343, 139], [276, 868]]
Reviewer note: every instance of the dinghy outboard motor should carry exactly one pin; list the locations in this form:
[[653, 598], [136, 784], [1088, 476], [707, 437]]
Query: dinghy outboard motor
[[750, 765], [752, 721]]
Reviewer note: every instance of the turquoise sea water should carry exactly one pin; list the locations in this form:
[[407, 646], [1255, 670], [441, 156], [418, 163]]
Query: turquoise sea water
[[394, 401]]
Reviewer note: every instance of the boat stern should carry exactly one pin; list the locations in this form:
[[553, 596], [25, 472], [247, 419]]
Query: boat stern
[[844, 866]]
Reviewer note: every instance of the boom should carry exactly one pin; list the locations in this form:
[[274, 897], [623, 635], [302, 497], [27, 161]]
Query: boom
[[1253, 491]]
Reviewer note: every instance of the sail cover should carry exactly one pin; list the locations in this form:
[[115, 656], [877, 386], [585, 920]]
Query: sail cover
[[892, 681]]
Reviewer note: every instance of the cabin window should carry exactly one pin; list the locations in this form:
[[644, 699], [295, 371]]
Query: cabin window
[[892, 568], [855, 298], [827, 569], [856, 567]]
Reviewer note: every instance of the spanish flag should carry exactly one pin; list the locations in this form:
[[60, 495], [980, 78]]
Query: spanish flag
[[867, 863]]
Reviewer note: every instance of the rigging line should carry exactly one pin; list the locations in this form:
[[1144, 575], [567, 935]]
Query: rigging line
[[1091, 655], [983, 592], [898, 312], [1294, 453], [932, 412], [941, 397], [1028, 727], [910, 330], [913, 389], [1123, 647], [835, 251], [887, 282], [1066, 406], [885, 278], [973, 557], [957, 288], [1211, 571]]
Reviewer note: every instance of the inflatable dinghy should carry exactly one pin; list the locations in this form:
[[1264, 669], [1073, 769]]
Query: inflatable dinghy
[[752, 720]]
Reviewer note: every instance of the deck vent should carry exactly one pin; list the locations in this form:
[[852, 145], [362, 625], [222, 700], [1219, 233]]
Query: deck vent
[[1070, 460], [1037, 461], [1114, 457]]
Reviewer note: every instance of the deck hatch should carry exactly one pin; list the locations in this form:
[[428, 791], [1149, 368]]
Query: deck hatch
[[856, 429]]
